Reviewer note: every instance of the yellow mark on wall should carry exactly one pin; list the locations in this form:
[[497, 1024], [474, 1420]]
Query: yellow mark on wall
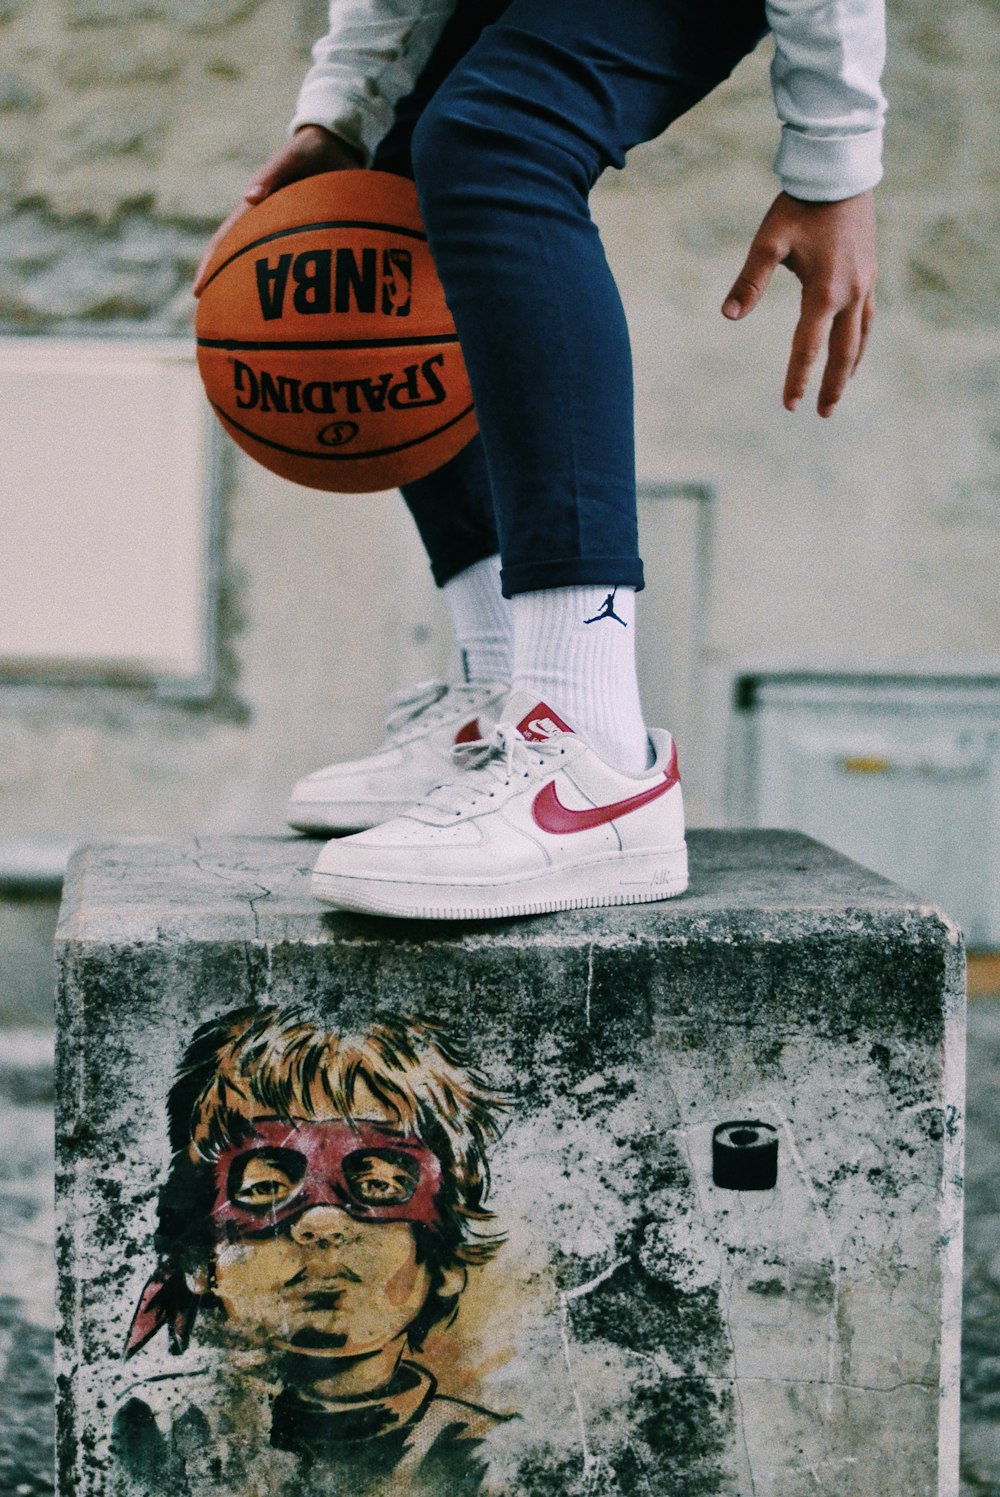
[[866, 764]]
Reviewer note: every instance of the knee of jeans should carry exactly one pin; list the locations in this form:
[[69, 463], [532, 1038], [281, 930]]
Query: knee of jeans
[[447, 154]]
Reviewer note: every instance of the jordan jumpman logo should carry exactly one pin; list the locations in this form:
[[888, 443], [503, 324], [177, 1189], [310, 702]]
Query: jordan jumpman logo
[[607, 611]]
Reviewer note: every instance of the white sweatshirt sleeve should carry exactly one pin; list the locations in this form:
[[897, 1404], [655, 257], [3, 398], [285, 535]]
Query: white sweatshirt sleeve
[[827, 64], [828, 61], [370, 58]]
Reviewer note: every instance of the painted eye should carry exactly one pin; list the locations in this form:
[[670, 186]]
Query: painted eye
[[382, 1179], [262, 1183]]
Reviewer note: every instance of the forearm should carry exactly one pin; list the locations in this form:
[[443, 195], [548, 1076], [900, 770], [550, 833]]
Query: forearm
[[828, 61], [369, 60]]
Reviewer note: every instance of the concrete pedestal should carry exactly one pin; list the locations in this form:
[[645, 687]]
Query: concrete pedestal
[[663, 1200]]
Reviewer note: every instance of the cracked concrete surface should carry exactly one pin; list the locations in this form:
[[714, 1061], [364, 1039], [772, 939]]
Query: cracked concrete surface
[[671, 1332], [27, 1268]]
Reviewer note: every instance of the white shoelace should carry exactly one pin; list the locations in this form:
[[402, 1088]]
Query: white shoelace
[[495, 763]]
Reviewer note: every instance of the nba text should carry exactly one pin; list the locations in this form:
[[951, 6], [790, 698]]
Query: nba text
[[343, 280]]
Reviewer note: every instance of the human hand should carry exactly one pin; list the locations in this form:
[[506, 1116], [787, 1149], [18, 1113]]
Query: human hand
[[831, 248], [311, 150]]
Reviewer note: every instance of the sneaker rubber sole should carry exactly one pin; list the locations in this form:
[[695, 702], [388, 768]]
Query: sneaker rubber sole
[[634, 878]]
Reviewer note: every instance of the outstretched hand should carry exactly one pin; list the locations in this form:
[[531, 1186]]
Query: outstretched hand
[[310, 151], [831, 248]]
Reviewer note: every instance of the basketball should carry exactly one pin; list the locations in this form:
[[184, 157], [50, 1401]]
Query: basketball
[[324, 341]]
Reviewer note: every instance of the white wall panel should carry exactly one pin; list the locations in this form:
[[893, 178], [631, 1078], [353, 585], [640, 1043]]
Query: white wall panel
[[901, 775], [103, 507]]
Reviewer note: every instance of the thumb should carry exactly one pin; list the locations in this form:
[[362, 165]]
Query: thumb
[[751, 283], [285, 166], [268, 180]]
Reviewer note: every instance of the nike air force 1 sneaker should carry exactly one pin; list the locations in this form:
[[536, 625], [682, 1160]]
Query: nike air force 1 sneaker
[[531, 820], [424, 724]]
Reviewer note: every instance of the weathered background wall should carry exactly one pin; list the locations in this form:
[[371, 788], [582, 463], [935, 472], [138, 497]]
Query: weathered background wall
[[864, 543], [127, 128]]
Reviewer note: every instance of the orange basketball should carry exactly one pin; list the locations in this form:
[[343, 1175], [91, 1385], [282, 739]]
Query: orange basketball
[[324, 341]]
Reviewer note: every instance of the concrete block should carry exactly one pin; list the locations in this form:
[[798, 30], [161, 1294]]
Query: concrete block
[[515, 1271]]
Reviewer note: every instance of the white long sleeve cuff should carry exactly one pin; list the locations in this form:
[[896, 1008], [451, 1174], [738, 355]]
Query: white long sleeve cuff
[[826, 168], [371, 58], [828, 60]]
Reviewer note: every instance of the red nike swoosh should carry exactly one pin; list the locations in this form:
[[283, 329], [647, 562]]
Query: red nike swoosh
[[552, 816], [469, 733]]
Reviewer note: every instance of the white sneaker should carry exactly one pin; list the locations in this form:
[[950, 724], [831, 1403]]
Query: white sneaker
[[424, 724], [531, 821]]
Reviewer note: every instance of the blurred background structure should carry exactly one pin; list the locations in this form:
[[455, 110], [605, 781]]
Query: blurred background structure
[[183, 634]]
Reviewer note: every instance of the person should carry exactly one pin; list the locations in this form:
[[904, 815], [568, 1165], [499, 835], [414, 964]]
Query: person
[[505, 113], [325, 1201]]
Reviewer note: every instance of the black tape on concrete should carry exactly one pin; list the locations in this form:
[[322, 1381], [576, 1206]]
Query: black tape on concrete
[[745, 1156]]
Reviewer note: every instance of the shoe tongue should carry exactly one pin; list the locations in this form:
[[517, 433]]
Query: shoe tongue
[[535, 720]]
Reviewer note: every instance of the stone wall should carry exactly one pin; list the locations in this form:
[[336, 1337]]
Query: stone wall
[[127, 130], [861, 544]]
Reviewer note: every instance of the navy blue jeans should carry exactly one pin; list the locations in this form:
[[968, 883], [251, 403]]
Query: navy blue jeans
[[521, 108]]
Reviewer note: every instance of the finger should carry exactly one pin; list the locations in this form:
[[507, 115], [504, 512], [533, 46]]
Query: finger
[[808, 342], [287, 165], [200, 274], [842, 355], [867, 318], [311, 150], [751, 283]]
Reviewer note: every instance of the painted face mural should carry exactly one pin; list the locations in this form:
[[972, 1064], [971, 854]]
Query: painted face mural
[[314, 1227], [316, 1252]]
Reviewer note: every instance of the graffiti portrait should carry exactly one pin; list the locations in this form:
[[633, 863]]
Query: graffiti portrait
[[325, 1203]]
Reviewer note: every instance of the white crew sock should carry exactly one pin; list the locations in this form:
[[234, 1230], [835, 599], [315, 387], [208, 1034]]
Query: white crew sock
[[574, 649], [481, 620]]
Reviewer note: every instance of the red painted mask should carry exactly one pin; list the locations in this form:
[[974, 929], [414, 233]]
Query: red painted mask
[[366, 1169]]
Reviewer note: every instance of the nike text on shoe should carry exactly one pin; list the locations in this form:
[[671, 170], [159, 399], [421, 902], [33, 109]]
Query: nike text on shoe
[[532, 820], [423, 726]]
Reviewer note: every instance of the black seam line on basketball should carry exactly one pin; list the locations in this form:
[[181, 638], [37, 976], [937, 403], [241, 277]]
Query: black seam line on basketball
[[341, 457], [333, 223], [237, 345]]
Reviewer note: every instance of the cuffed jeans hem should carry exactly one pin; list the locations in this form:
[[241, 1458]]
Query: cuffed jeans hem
[[532, 576], [444, 571]]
